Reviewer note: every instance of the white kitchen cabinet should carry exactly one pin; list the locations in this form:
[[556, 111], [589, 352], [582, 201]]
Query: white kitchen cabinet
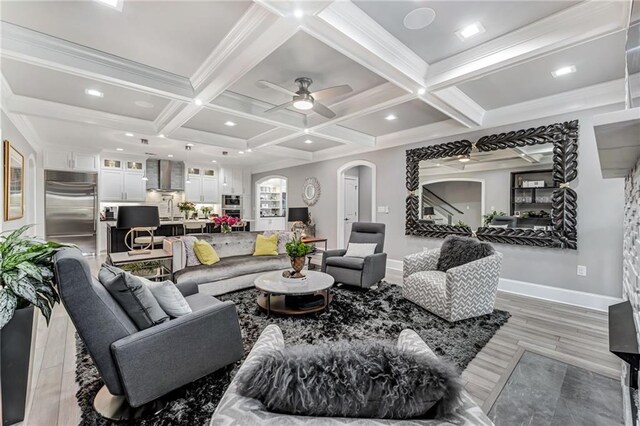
[[68, 160], [121, 180], [133, 186], [202, 186], [210, 192], [193, 189], [232, 181]]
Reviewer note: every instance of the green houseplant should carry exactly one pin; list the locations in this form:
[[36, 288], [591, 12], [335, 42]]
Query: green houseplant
[[186, 207], [297, 250], [26, 282], [489, 216]]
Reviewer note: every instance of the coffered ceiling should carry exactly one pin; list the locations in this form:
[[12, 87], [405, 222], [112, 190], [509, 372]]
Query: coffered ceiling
[[179, 72]]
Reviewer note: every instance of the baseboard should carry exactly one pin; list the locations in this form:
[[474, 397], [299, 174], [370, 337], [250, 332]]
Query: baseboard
[[597, 302], [583, 299]]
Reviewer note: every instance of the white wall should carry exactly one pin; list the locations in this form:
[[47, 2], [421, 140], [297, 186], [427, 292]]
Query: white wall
[[600, 207], [33, 185]]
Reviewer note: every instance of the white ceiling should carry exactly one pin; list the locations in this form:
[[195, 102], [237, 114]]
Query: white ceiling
[[409, 114], [213, 121], [334, 43], [304, 56], [174, 36], [318, 143], [438, 40], [596, 62]]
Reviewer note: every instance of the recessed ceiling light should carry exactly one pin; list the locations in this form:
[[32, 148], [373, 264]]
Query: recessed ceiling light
[[94, 92], [144, 104], [308, 141], [116, 4], [422, 91], [170, 155], [298, 13], [229, 123], [128, 134], [470, 31], [306, 130], [119, 149], [214, 161], [198, 102], [161, 135], [240, 152], [190, 145], [522, 154], [249, 149], [390, 117], [419, 18], [563, 71]]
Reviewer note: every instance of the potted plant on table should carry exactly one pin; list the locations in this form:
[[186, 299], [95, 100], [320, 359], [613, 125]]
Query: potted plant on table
[[186, 207], [206, 210], [225, 222], [297, 250], [26, 281]]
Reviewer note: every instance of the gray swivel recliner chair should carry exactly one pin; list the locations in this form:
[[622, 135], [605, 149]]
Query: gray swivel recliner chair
[[357, 271], [140, 366]]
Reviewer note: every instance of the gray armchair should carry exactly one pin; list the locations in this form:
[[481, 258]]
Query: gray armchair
[[356, 271], [139, 366]]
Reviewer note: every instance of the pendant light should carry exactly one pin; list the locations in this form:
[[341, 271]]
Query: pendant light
[[187, 147]]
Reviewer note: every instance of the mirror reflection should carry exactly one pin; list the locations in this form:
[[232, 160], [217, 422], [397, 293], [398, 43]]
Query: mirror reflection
[[309, 191], [509, 188]]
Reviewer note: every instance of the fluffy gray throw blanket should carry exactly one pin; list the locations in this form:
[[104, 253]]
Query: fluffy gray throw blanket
[[364, 380]]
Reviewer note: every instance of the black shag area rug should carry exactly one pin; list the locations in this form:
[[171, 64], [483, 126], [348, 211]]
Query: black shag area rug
[[381, 313]]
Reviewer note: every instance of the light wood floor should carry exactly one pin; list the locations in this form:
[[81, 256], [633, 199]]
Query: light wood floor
[[571, 334]]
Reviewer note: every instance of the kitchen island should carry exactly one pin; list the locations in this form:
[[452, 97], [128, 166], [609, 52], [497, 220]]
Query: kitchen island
[[169, 228]]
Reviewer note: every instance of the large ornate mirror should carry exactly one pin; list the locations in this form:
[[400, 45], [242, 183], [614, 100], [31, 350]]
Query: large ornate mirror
[[511, 188]]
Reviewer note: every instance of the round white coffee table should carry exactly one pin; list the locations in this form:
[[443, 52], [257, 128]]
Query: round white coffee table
[[282, 296]]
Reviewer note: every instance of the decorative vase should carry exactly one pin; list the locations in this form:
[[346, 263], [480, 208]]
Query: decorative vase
[[186, 214], [297, 263], [15, 349], [225, 228]]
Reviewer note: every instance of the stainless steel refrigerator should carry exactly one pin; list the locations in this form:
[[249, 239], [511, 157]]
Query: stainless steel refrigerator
[[71, 209]]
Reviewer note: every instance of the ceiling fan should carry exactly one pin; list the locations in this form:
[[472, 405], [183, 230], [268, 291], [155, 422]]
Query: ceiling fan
[[304, 100]]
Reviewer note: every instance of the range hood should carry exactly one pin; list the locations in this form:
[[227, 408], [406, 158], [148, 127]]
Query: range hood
[[165, 175]]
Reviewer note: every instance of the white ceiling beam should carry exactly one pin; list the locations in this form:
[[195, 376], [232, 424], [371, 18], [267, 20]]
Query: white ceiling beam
[[256, 35], [577, 24], [460, 106], [47, 109], [273, 137], [283, 151], [207, 138], [46, 51], [22, 123], [345, 135]]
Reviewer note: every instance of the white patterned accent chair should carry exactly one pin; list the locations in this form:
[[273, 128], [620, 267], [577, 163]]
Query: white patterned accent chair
[[235, 409], [462, 292]]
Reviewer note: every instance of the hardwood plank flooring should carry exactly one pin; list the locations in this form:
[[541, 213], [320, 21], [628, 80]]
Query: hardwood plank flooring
[[571, 334]]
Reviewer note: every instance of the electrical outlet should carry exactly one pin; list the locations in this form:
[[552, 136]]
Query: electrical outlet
[[582, 270]]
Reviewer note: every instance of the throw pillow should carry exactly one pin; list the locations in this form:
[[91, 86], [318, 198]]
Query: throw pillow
[[457, 251], [169, 297], [360, 249], [192, 259], [133, 296], [266, 246], [205, 253], [382, 382]]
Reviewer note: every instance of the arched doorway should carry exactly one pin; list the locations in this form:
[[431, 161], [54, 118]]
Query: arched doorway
[[270, 203], [356, 196]]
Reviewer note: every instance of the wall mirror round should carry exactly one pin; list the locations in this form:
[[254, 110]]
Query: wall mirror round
[[311, 191]]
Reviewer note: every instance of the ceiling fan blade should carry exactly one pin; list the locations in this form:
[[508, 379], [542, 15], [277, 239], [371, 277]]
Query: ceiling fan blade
[[323, 110], [331, 92], [277, 87], [279, 107]]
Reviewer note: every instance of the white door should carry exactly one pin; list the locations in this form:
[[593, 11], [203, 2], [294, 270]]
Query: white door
[[57, 160], [350, 205], [85, 162], [111, 185], [210, 190], [134, 187], [193, 189]]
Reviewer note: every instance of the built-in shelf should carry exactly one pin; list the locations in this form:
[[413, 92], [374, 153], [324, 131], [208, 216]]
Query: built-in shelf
[[618, 140]]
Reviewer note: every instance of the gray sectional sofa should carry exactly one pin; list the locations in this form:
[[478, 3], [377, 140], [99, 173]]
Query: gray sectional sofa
[[237, 269]]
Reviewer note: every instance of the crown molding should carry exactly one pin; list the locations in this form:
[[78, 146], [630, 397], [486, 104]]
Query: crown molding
[[26, 129], [198, 136], [256, 43], [283, 151], [25, 45], [167, 113], [345, 135], [253, 109], [272, 137], [577, 24], [47, 109]]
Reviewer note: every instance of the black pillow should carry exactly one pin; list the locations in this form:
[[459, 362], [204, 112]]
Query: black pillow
[[457, 251], [133, 296], [363, 380]]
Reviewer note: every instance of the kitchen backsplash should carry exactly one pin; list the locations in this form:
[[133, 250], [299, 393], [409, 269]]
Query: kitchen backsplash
[[161, 200]]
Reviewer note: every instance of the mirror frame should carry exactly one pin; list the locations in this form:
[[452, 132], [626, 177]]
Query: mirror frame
[[311, 181], [563, 136]]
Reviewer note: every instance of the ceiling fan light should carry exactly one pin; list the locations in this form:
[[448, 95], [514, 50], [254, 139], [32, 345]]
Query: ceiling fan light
[[303, 104]]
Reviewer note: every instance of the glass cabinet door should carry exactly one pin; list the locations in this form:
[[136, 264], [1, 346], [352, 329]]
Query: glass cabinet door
[[111, 164]]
